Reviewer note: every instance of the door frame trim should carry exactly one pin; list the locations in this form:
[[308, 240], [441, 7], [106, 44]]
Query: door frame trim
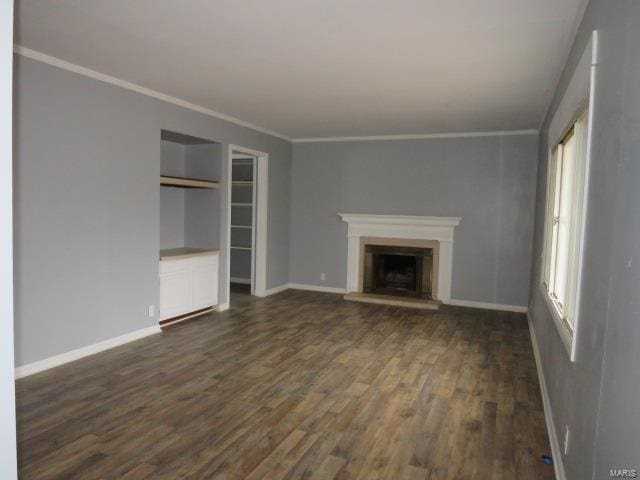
[[259, 283]]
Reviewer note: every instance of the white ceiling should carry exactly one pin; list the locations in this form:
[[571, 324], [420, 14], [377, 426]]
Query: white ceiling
[[324, 68]]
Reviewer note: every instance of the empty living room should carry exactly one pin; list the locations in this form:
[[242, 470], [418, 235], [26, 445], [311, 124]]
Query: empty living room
[[340, 239]]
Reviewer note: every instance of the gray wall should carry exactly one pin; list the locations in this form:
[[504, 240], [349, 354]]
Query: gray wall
[[203, 213], [87, 198], [8, 468], [597, 396], [241, 264], [190, 217], [488, 181], [172, 205]]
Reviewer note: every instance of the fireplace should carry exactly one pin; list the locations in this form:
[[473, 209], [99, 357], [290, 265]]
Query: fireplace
[[433, 236], [398, 270]]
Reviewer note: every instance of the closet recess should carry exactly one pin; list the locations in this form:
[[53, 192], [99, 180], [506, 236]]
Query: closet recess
[[243, 190]]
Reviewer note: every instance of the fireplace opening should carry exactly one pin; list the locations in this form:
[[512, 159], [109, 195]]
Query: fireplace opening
[[398, 271]]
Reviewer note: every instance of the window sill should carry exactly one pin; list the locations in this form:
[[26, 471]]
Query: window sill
[[566, 335]]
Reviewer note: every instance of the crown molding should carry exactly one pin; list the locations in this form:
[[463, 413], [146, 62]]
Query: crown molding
[[72, 67], [416, 136], [557, 76]]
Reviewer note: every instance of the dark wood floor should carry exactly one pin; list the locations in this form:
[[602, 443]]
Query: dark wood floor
[[297, 385]]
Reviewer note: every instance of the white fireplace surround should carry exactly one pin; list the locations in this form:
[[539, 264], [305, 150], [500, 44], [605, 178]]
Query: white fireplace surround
[[409, 227]]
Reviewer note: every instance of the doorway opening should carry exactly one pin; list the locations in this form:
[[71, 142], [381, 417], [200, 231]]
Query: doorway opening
[[247, 198]]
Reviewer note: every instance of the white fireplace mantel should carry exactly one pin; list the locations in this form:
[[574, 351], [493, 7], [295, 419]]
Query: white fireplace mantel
[[411, 227]]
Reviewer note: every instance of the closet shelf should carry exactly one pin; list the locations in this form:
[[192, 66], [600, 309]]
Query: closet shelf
[[238, 247], [187, 182], [241, 226], [242, 204], [246, 183]]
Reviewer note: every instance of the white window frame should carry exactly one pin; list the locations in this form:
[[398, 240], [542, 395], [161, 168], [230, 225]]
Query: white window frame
[[566, 316], [575, 110]]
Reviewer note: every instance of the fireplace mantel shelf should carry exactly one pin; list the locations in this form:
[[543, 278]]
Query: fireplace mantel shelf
[[409, 227], [405, 220]]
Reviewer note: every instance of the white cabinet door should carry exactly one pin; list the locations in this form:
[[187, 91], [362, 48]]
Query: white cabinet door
[[176, 289], [205, 281]]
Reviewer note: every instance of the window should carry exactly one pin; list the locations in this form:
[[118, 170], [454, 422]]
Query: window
[[564, 229]]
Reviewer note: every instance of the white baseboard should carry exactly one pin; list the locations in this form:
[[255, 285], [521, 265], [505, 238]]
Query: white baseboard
[[299, 286], [57, 360], [487, 306], [221, 307], [317, 288], [198, 313], [461, 303], [274, 290], [243, 281], [556, 452]]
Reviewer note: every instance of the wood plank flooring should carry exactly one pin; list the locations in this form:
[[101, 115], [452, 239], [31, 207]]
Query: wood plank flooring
[[296, 385]]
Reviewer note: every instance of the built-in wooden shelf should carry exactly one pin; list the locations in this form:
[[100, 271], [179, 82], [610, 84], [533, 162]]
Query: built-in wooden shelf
[[187, 182], [238, 247], [242, 204], [184, 252], [241, 226]]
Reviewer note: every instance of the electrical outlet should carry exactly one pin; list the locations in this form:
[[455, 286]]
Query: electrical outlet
[[323, 276], [566, 439], [152, 311]]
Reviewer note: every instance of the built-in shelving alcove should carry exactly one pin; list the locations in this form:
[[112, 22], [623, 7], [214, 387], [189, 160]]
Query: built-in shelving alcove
[[190, 216], [190, 209]]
